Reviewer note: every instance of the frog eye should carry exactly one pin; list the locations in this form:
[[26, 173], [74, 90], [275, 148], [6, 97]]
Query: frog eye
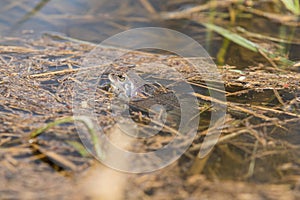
[[121, 78]]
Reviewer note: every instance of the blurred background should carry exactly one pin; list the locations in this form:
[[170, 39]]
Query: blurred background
[[96, 20]]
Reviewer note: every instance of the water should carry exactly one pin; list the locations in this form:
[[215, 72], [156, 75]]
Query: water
[[96, 20]]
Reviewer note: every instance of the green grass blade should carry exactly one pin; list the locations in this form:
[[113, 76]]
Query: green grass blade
[[247, 43], [292, 5], [233, 37]]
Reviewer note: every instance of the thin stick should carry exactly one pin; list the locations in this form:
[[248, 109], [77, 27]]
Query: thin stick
[[235, 107], [264, 37], [290, 20], [252, 163], [148, 6], [60, 72], [278, 97], [267, 58], [275, 111], [207, 87], [64, 71], [188, 12], [222, 139], [56, 158]]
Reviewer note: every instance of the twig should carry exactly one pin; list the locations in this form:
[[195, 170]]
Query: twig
[[189, 11], [233, 106], [65, 71], [252, 163], [276, 111], [148, 6], [264, 37], [56, 158], [207, 87], [222, 139], [278, 97], [290, 20], [263, 53], [53, 73]]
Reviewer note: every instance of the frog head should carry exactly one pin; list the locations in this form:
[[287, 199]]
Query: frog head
[[126, 84]]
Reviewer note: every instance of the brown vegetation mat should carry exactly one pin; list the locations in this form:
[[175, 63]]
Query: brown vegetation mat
[[257, 156]]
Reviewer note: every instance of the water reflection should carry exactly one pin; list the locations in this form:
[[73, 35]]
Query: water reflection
[[89, 20], [96, 20]]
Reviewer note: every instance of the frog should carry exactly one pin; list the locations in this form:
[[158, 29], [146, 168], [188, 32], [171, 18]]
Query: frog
[[139, 93], [145, 101], [131, 86]]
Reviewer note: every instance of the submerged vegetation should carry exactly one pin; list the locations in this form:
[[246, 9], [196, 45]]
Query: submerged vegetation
[[292, 5], [234, 19]]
